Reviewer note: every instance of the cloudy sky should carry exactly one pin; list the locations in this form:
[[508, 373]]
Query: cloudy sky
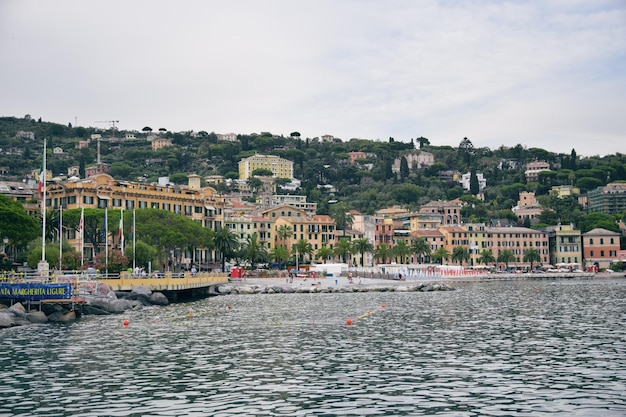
[[548, 74]]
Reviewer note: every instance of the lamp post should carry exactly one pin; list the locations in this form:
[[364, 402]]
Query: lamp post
[[5, 241]]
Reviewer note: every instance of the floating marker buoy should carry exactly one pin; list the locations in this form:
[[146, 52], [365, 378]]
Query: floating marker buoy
[[230, 307], [125, 322], [383, 306], [190, 314], [349, 321]]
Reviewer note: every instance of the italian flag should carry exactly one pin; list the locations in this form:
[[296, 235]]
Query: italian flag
[[42, 180]]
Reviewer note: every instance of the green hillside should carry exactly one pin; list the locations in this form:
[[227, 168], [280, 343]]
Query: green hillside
[[367, 185]]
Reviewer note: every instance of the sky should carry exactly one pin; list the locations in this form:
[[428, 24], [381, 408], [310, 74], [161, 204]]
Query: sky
[[549, 74]]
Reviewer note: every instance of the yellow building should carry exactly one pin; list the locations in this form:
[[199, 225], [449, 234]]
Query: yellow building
[[103, 191], [318, 230], [281, 168]]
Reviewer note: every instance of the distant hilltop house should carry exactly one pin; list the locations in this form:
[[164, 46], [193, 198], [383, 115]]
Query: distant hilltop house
[[23, 134], [160, 143], [355, 156], [507, 164], [448, 211], [228, 137], [534, 168], [562, 191], [465, 180], [57, 151], [527, 207], [281, 168], [327, 138], [98, 168], [415, 160]]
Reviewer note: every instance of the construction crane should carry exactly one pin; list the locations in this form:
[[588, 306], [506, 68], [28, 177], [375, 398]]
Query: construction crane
[[112, 122]]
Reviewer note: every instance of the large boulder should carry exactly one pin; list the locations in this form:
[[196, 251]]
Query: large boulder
[[159, 299], [6, 319], [37, 317], [143, 290]]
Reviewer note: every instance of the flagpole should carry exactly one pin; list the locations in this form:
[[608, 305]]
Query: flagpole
[[134, 233], [43, 204], [60, 237], [82, 236], [121, 231], [106, 241]]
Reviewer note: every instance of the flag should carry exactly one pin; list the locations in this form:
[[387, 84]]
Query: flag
[[103, 229], [81, 234], [120, 233], [81, 224], [42, 179]]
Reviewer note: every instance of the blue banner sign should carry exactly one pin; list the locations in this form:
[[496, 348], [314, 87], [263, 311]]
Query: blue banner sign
[[36, 291]]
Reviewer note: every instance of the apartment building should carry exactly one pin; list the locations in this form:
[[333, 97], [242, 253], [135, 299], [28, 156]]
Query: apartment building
[[281, 168], [600, 247], [565, 245], [610, 199], [534, 168]]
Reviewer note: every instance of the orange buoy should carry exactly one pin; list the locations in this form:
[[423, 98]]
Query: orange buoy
[[230, 307], [349, 321], [125, 322], [383, 306]]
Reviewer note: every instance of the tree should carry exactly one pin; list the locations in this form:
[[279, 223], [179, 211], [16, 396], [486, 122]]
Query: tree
[[506, 256], [303, 248], [361, 246], [324, 253], [474, 185], [441, 255], [401, 250], [460, 254], [253, 250], [532, 256], [423, 141], [280, 255], [342, 249], [466, 151], [284, 231], [144, 254], [382, 252], [226, 244], [262, 172], [147, 129], [420, 248], [16, 225], [404, 168], [340, 213], [486, 257]]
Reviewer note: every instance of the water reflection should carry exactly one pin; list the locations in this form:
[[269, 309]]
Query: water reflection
[[496, 349]]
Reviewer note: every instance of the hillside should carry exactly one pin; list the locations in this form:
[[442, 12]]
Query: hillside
[[366, 185]]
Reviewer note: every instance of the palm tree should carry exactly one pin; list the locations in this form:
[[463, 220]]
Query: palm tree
[[420, 248], [325, 253], [401, 250], [303, 247], [253, 250], [532, 255], [362, 246], [382, 252], [226, 244], [342, 248], [460, 254], [280, 254], [506, 256], [441, 254], [340, 213], [486, 257], [283, 233]]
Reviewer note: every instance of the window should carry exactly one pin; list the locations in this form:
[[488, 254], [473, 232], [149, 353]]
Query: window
[[117, 202], [130, 204], [143, 204], [154, 205]]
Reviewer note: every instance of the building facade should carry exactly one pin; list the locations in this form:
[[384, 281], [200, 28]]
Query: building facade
[[281, 168], [610, 199]]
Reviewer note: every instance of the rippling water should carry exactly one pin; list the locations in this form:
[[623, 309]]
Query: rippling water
[[487, 349]]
